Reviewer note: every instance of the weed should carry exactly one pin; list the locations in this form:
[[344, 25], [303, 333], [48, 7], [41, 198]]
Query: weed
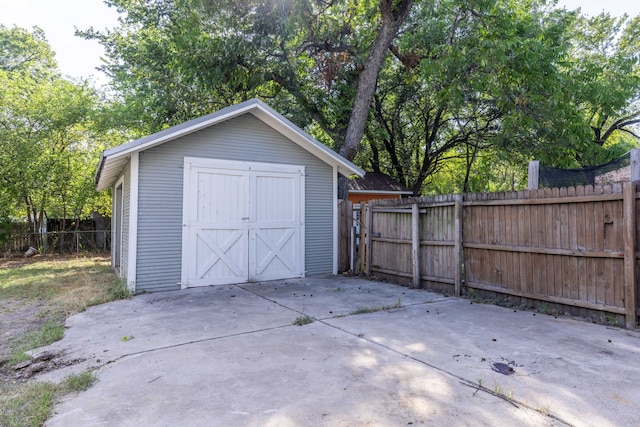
[[544, 409], [364, 310], [471, 294], [127, 338], [611, 320], [51, 332], [302, 320], [27, 404], [510, 394], [30, 404], [78, 382], [501, 392], [497, 389], [338, 289], [119, 290], [480, 385]]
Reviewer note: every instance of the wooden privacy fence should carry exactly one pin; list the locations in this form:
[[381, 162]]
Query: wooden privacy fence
[[570, 246]]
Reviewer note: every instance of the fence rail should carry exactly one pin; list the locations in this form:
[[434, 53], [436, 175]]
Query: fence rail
[[573, 246], [62, 242]]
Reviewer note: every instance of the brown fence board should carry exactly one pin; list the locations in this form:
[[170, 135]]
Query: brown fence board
[[563, 246]]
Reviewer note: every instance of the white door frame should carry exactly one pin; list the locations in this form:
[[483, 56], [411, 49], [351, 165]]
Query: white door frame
[[118, 225]]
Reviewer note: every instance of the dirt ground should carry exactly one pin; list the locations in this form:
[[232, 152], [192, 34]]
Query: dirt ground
[[19, 316]]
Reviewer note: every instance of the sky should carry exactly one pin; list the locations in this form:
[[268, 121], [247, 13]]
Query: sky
[[79, 58]]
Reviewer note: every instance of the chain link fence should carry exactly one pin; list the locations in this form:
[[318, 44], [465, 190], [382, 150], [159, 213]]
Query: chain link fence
[[60, 242]]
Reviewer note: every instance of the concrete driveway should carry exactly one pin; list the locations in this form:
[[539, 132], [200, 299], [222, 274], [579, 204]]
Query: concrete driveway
[[230, 356]]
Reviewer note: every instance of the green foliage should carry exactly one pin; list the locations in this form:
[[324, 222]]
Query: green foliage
[[468, 90], [78, 382], [302, 320], [48, 135], [366, 310], [603, 80]]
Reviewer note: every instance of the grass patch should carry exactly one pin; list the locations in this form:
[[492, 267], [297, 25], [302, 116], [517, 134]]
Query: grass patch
[[77, 382], [302, 320], [36, 296], [30, 404], [27, 404], [364, 310], [51, 332], [65, 285]]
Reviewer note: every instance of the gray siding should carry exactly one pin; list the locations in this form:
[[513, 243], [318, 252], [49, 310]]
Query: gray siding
[[126, 203], [243, 138]]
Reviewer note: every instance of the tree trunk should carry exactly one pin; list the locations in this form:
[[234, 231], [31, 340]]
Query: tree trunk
[[393, 13]]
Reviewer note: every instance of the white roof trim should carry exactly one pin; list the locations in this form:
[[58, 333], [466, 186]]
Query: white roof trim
[[380, 192], [114, 159]]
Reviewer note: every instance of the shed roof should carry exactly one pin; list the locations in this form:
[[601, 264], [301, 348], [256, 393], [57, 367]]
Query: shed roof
[[113, 160], [377, 182]]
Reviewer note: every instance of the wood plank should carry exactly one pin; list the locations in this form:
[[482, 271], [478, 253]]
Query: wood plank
[[581, 244], [557, 244], [408, 241], [536, 259], [572, 224], [590, 245], [510, 267], [629, 255], [524, 280], [407, 210], [502, 275], [415, 244], [548, 284], [362, 243], [410, 275], [545, 251], [600, 273], [617, 242], [608, 241], [548, 298], [368, 242], [457, 251], [553, 200]]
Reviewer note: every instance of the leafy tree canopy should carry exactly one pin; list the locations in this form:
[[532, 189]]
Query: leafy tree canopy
[[455, 79]]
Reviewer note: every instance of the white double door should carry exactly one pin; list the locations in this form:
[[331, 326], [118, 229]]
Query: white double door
[[242, 221]]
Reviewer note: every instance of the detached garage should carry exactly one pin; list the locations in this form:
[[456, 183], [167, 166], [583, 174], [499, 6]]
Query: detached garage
[[236, 196]]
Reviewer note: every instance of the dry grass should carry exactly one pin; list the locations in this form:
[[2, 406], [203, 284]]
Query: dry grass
[[66, 285], [36, 296]]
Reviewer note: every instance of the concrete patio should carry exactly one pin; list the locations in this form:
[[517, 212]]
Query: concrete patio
[[230, 355]]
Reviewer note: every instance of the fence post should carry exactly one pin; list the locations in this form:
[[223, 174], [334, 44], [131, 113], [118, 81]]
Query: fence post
[[458, 254], [630, 254], [534, 172], [352, 245], [368, 232], [635, 165], [415, 244], [361, 243]]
